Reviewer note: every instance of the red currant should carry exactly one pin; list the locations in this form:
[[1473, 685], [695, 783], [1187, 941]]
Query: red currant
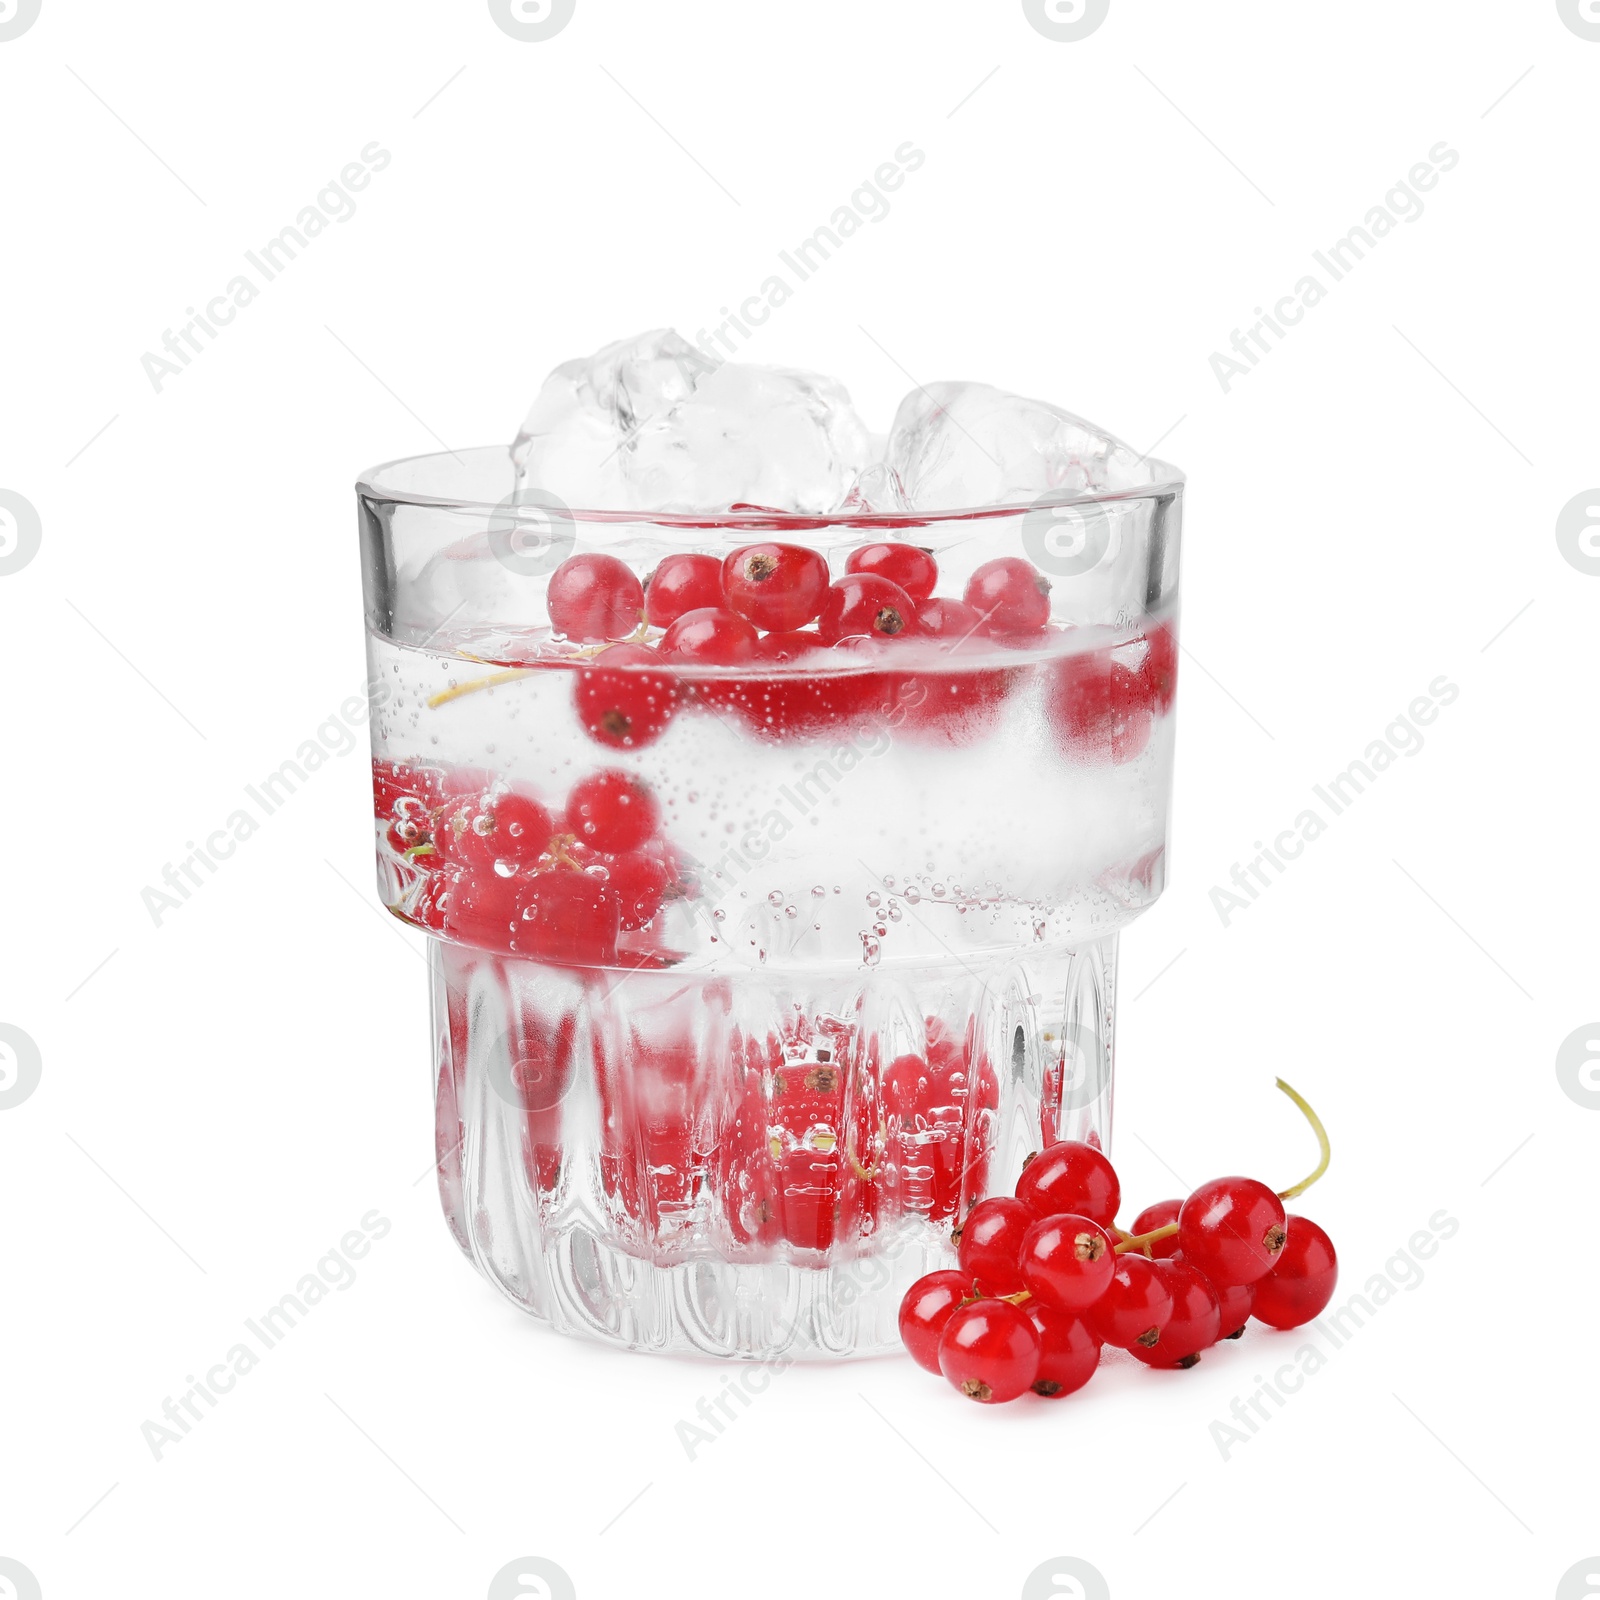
[[1232, 1229], [990, 1351], [1068, 1352], [926, 1308], [481, 830], [869, 606], [1071, 1178], [1300, 1286], [569, 917], [712, 636], [611, 811], [594, 597], [951, 620], [786, 646], [1010, 594], [1067, 1262], [1161, 1215], [778, 587], [480, 908], [1135, 1308], [991, 1241], [913, 568], [1234, 1301], [1098, 709], [1195, 1324], [640, 879], [680, 583], [1159, 669], [623, 699]]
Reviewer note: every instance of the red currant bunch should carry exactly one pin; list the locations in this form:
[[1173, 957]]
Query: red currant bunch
[[1046, 1279]]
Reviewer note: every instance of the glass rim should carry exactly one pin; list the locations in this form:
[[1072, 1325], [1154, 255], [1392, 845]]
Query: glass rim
[[370, 485]]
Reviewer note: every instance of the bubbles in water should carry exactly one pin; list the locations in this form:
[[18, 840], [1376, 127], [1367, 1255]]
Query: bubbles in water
[[873, 898], [718, 915], [790, 911], [818, 892], [871, 950], [913, 894], [894, 911], [775, 897], [938, 891], [888, 880]]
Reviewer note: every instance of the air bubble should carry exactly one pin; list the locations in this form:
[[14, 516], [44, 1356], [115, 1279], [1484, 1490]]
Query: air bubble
[[873, 898], [913, 894], [871, 950], [775, 897]]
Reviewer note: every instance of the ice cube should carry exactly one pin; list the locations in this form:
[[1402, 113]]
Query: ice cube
[[652, 423], [955, 445]]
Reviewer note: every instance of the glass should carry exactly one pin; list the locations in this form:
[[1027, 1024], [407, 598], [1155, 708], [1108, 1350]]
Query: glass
[[723, 1077]]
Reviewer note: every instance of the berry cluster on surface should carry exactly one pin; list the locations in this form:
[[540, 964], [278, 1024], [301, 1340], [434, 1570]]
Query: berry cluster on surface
[[507, 872], [1046, 1278], [770, 637]]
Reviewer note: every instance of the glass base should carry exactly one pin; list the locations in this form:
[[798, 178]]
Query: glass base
[[752, 1165]]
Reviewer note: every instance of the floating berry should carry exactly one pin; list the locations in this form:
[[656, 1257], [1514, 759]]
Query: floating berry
[[990, 1242], [1067, 1262], [612, 811], [1159, 670], [569, 917], [990, 1351], [907, 565], [480, 908], [1010, 594], [623, 698], [594, 597], [1300, 1286], [787, 646], [640, 879], [682, 582], [412, 826], [1098, 709], [778, 587], [950, 620], [484, 829], [1232, 1230], [1068, 1352], [926, 1308], [1135, 1307], [1071, 1179], [712, 636], [1161, 1215], [861, 604], [1195, 1323]]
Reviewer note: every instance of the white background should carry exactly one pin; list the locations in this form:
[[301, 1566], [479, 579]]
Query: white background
[[1373, 506]]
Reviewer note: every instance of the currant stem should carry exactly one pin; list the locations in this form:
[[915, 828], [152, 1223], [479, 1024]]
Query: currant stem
[[1137, 1241], [1323, 1145], [473, 684]]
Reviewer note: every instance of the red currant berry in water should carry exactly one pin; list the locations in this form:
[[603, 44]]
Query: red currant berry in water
[[1232, 1229], [1068, 1352], [1301, 1285], [1159, 669], [1162, 1214], [1099, 710], [990, 1351], [790, 646], [480, 908], [989, 1242], [776, 586], [484, 829], [623, 698], [1234, 1301], [861, 604], [712, 636], [925, 1310], [1067, 1262], [1071, 1179], [640, 879], [594, 597], [913, 568], [611, 811], [1010, 594], [1136, 1307], [952, 621], [681, 583], [568, 916], [1195, 1323]]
